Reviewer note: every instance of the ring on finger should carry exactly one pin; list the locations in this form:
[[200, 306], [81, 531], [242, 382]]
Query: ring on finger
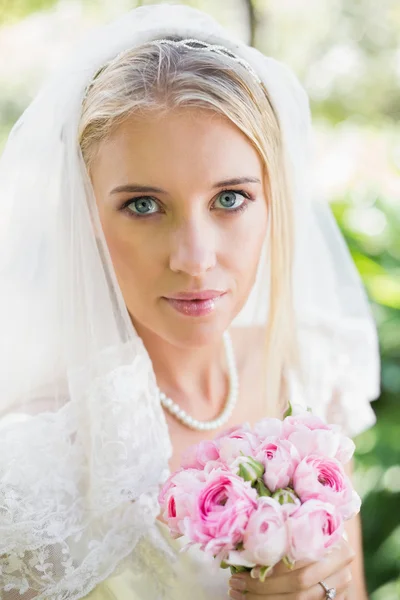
[[330, 592]]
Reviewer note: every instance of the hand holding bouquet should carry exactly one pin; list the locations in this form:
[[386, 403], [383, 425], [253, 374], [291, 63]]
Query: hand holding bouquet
[[253, 497]]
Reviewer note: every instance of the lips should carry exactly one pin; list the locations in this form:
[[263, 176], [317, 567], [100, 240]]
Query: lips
[[195, 304], [199, 295]]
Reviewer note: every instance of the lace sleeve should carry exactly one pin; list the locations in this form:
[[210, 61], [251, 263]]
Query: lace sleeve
[[79, 487], [341, 375]]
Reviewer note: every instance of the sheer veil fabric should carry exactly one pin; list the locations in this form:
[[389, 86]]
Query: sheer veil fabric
[[78, 403]]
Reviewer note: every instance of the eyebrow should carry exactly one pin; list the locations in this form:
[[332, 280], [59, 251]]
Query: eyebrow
[[236, 181], [146, 189], [134, 187]]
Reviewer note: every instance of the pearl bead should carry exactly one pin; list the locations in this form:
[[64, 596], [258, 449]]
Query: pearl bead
[[189, 421]]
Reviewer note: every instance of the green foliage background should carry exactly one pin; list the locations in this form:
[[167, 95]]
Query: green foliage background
[[365, 97]]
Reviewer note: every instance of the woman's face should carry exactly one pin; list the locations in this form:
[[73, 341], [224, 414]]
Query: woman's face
[[183, 207]]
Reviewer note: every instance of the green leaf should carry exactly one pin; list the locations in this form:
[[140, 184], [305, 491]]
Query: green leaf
[[289, 412], [262, 489], [235, 570], [263, 573], [288, 562]]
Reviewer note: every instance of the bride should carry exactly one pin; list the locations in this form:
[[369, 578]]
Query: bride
[[166, 273]]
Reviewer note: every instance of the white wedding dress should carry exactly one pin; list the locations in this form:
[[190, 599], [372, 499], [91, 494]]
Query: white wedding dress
[[165, 574]]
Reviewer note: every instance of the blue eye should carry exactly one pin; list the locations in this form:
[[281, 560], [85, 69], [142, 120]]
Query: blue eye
[[231, 200], [143, 206], [227, 201]]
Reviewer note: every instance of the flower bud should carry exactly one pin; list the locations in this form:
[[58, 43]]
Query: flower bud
[[248, 468], [285, 496]]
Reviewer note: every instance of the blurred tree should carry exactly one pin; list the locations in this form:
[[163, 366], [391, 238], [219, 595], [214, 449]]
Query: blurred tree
[[378, 451], [253, 20], [14, 10], [346, 53]]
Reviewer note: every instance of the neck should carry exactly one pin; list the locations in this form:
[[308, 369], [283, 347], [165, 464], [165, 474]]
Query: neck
[[194, 377]]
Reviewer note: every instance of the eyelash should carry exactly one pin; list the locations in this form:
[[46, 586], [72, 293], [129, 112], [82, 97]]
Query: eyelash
[[239, 209]]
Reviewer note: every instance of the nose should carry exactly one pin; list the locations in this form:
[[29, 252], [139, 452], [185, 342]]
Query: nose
[[192, 249]]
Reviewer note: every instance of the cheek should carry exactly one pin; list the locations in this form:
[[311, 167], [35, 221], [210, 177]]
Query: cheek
[[132, 255], [244, 252]]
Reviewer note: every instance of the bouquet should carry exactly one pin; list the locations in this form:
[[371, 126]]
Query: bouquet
[[255, 496]]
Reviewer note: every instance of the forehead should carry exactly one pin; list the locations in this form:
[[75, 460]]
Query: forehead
[[189, 143]]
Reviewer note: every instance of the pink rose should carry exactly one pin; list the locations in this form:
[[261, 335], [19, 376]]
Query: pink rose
[[223, 507], [266, 537], [311, 435], [269, 427], [314, 528], [233, 429], [304, 420], [197, 456], [320, 478], [345, 450], [280, 459], [177, 498], [237, 442], [318, 441]]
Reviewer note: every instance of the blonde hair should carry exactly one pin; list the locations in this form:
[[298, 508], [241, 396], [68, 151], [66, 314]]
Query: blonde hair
[[160, 77]]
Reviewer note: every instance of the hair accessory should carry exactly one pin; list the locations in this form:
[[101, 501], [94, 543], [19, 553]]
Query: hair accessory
[[194, 44], [190, 43]]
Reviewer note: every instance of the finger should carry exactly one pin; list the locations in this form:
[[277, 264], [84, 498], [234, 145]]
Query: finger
[[283, 579], [282, 584], [300, 581], [243, 583], [239, 596], [332, 563], [341, 551], [340, 581], [282, 568]]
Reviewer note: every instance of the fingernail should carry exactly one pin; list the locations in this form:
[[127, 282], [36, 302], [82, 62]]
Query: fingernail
[[236, 595], [237, 583]]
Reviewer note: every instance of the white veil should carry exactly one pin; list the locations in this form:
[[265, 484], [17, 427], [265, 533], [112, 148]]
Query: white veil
[[78, 406]]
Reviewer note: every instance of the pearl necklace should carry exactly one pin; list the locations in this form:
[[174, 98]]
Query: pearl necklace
[[182, 416]]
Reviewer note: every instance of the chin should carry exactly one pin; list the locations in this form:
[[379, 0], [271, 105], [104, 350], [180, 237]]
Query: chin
[[193, 335]]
